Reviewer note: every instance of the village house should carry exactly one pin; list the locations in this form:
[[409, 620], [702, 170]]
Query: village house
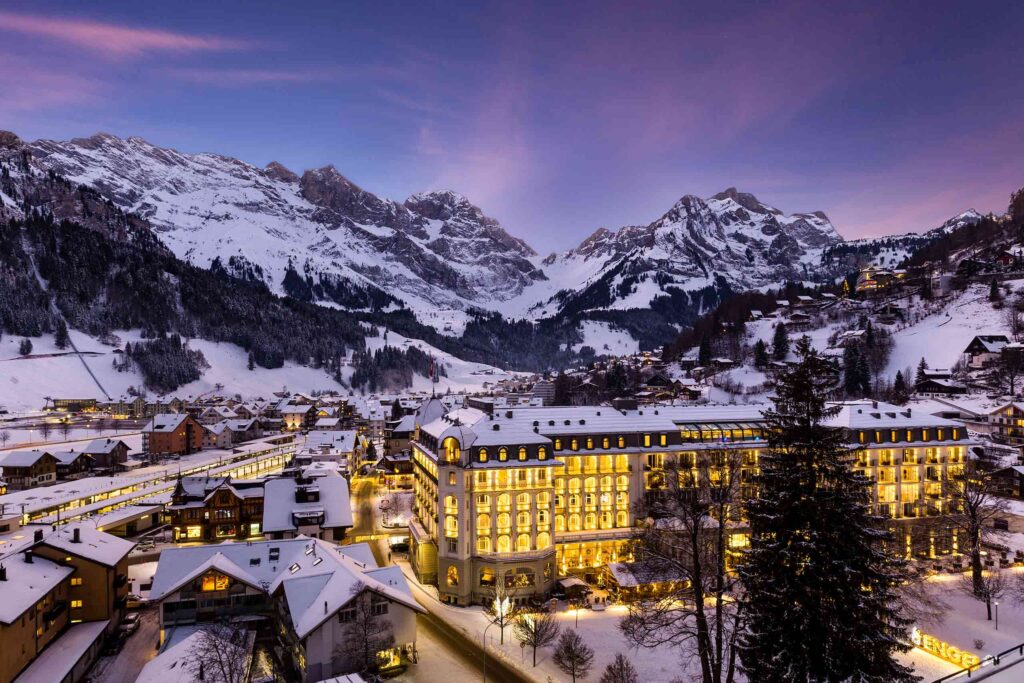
[[311, 591], [107, 454], [1008, 423], [317, 507], [216, 509], [72, 464], [29, 469], [217, 435], [172, 434], [985, 349]]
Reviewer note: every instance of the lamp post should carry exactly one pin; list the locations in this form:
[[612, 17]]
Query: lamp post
[[996, 603], [483, 653]]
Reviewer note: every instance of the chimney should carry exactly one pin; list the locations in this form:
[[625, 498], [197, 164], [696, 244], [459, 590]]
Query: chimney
[[325, 607], [76, 535], [28, 555], [874, 404], [38, 535], [3, 573]]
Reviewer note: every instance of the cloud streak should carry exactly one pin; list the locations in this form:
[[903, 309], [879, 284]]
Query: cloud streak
[[114, 40]]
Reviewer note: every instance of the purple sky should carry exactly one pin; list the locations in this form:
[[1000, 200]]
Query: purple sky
[[556, 118]]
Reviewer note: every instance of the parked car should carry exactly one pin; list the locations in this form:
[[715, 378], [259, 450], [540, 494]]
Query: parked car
[[136, 601], [130, 623]]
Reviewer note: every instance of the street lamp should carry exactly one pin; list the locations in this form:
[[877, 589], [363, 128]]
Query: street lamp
[[996, 603]]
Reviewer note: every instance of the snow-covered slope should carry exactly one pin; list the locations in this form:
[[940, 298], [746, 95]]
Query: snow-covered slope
[[729, 240], [435, 249]]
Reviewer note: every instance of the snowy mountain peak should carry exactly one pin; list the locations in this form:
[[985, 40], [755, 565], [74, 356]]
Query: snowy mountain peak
[[969, 217], [746, 200], [280, 172]]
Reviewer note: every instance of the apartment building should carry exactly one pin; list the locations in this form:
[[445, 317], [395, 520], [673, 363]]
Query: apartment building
[[527, 494]]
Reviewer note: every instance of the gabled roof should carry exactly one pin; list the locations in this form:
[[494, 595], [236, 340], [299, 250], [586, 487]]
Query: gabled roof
[[69, 457], [97, 446], [24, 458], [27, 583], [217, 561], [165, 422], [279, 503], [100, 547]]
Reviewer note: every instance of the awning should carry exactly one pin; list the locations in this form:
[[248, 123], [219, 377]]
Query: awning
[[572, 581]]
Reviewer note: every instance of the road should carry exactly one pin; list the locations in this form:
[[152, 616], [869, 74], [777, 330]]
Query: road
[[445, 654], [138, 649]]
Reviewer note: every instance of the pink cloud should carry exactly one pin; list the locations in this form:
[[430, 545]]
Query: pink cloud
[[243, 77], [114, 40], [29, 87]]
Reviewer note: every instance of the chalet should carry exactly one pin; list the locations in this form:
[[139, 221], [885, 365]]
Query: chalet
[[216, 509], [29, 469], [72, 464], [107, 454], [296, 417], [972, 266], [215, 414], [328, 423], [1009, 481], [313, 591], [936, 373], [172, 434], [850, 338], [244, 429], [1008, 423], [217, 435], [1007, 259], [755, 315], [939, 387], [804, 301], [396, 471], [889, 313], [317, 507], [985, 349], [798, 320]]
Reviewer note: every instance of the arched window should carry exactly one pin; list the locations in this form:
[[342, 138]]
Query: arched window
[[622, 482], [523, 543], [523, 519], [483, 501], [590, 521], [575, 445], [522, 452], [543, 540], [542, 453], [590, 443], [451, 505], [503, 454], [483, 524], [453, 576], [605, 443], [590, 485], [606, 483], [558, 444], [622, 442], [451, 526], [542, 516], [606, 520], [574, 522], [504, 501], [450, 447], [621, 519], [559, 522], [504, 521], [543, 499], [504, 544], [621, 462], [483, 455], [523, 500], [574, 484], [483, 544], [621, 499]]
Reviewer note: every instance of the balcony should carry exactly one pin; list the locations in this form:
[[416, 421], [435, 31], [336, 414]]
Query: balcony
[[121, 580]]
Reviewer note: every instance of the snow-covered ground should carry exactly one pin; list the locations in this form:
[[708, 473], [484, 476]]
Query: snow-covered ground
[[606, 339], [25, 382], [396, 508]]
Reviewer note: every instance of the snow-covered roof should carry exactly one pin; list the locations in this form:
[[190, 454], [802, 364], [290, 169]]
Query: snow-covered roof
[[23, 458], [341, 441], [167, 422], [98, 446], [69, 457], [62, 655], [325, 422], [279, 503], [866, 414], [173, 665], [100, 547], [27, 583]]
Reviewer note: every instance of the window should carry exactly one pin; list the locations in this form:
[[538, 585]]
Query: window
[[76, 581], [451, 479], [451, 526], [663, 439], [483, 544], [453, 576], [503, 454], [523, 543], [214, 582], [379, 605], [590, 443], [542, 453], [574, 445], [483, 501], [523, 519], [522, 453], [450, 446], [605, 443], [347, 614], [504, 544], [487, 576], [622, 442], [647, 439], [483, 524], [76, 604], [482, 455], [523, 500], [558, 444], [543, 540]]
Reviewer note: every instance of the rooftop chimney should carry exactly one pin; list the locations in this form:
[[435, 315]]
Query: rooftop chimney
[[38, 535], [76, 535], [3, 573], [28, 555]]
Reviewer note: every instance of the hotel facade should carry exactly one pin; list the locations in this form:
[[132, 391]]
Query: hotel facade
[[526, 495]]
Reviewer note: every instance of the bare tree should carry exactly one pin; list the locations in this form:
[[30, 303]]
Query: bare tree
[[367, 631], [5, 436], [577, 603], [536, 631], [974, 506], [621, 670], [501, 610], [1015, 319], [221, 653], [45, 428], [65, 428], [573, 656], [994, 585], [683, 547]]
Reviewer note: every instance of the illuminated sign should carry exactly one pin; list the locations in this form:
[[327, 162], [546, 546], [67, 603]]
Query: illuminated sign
[[943, 650]]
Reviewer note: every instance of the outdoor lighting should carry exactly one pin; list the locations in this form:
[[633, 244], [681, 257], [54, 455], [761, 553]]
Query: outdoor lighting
[[996, 603]]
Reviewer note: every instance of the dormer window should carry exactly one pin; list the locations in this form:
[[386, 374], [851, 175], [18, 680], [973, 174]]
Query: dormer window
[[482, 455], [542, 453], [450, 447], [502, 454], [522, 453]]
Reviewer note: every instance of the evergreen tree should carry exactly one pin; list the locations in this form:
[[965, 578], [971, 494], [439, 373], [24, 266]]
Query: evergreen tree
[[864, 374], [921, 367], [900, 391], [994, 295], [780, 342], [760, 354], [821, 601], [25, 347], [61, 337], [704, 352], [251, 363], [851, 370]]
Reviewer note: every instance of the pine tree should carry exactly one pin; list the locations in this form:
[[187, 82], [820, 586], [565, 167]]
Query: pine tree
[[760, 354], [900, 391], [621, 670], [704, 352], [25, 347], [994, 295], [921, 367], [864, 374], [821, 601], [780, 342], [61, 337], [251, 363], [851, 370]]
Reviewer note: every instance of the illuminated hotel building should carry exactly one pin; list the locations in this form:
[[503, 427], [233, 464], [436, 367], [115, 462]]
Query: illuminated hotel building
[[527, 494]]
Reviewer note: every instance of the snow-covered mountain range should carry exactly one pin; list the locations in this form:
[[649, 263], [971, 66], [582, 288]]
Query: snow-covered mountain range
[[435, 250]]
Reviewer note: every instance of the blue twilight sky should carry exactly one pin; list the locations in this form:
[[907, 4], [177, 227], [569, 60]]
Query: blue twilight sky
[[556, 118]]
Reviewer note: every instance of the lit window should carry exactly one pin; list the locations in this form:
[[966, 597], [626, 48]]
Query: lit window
[[664, 439], [216, 582], [76, 581], [647, 439], [483, 455], [575, 445], [605, 442], [590, 443], [451, 479], [76, 604], [622, 442], [503, 454], [522, 453], [558, 444], [542, 453], [453, 576]]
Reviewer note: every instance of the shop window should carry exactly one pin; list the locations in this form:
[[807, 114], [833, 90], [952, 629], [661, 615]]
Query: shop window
[[453, 576], [487, 577]]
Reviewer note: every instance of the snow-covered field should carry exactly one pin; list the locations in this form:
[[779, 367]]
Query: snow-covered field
[[606, 338], [25, 382]]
